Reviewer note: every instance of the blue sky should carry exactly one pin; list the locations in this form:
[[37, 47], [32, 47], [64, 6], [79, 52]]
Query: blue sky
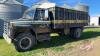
[[93, 4]]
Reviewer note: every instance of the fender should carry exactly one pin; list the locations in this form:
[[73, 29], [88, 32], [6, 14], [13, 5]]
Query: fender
[[25, 28]]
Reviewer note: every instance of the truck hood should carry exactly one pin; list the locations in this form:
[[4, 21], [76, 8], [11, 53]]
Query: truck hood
[[28, 22]]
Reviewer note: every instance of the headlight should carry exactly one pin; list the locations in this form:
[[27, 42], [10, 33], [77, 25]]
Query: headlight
[[12, 24]]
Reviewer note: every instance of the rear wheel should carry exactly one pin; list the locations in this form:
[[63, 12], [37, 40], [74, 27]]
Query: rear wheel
[[75, 33], [24, 42]]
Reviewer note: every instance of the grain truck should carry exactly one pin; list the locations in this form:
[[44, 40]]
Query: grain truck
[[39, 22]]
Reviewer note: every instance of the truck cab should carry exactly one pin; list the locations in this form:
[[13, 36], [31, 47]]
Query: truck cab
[[35, 25]]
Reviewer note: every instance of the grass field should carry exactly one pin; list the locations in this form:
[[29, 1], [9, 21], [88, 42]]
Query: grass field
[[58, 46]]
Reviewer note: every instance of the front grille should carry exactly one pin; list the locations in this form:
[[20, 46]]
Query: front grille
[[6, 28]]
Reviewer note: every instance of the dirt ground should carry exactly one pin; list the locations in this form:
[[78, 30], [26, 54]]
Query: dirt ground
[[85, 48], [95, 51]]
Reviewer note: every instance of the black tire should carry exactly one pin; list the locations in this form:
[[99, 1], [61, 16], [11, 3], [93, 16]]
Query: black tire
[[24, 42], [75, 33]]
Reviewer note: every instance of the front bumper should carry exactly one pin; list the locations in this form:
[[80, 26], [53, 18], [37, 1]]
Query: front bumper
[[7, 38]]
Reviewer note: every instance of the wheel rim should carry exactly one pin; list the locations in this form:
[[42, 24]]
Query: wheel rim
[[25, 43]]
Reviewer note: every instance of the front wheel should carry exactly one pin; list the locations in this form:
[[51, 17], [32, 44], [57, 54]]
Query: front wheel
[[76, 33], [24, 42]]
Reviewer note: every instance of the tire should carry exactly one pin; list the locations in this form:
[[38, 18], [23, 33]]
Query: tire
[[24, 42], [75, 33]]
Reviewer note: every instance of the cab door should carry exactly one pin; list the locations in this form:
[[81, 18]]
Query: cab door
[[42, 21], [51, 20]]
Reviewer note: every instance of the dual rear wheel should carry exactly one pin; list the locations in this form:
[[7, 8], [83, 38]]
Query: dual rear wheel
[[76, 33]]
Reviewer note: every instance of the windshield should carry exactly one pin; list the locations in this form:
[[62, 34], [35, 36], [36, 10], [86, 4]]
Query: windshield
[[37, 14], [29, 14]]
